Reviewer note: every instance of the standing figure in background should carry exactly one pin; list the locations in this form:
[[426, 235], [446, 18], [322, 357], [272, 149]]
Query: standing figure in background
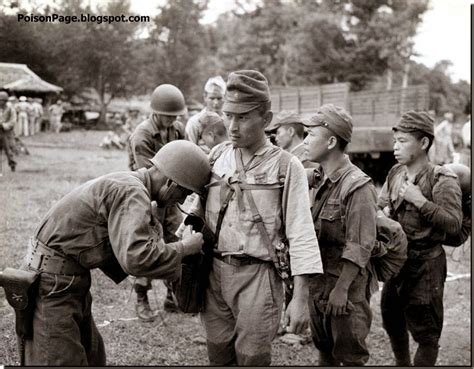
[[167, 103], [214, 91], [7, 124], [32, 116], [22, 109], [56, 112], [37, 104], [443, 141]]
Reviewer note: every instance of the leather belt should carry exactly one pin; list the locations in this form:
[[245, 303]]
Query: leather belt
[[238, 260], [44, 259]]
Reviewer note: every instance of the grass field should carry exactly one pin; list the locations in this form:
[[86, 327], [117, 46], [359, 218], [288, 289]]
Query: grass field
[[57, 164]]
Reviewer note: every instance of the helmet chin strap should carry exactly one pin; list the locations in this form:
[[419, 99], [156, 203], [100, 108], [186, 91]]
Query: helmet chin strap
[[166, 191]]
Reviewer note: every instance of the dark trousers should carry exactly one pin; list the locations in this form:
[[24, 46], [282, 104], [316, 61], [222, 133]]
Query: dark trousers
[[341, 339], [6, 145], [64, 332], [413, 302]]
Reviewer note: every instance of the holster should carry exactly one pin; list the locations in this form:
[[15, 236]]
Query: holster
[[21, 287]]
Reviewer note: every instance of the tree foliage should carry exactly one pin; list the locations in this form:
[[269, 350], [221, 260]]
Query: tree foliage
[[294, 43]]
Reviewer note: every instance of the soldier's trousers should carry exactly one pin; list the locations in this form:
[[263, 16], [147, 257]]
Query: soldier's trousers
[[6, 145], [413, 302], [64, 332], [341, 338], [242, 313]]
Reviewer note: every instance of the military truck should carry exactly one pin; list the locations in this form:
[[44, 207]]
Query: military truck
[[374, 113]]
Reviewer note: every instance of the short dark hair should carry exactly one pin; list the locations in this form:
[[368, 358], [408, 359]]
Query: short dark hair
[[218, 128], [298, 127], [419, 136]]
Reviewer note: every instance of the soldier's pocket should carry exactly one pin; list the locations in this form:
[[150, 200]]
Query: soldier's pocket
[[59, 285], [329, 222]]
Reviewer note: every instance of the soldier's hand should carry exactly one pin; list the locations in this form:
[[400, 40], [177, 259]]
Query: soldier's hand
[[296, 317], [192, 244], [337, 302], [412, 193]]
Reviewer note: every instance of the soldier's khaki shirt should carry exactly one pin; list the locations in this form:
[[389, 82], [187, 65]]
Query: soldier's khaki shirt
[[239, 233]]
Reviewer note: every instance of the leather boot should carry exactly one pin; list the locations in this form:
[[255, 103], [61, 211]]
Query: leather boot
[[401, 350], [142, 307], [426, 355]]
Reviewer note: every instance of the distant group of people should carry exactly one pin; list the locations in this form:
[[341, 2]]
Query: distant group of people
[[22, 117], [299, 209]]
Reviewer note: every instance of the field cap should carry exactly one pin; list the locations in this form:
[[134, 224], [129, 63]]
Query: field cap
[[413, 121], [282, 118], [215, 81], [246, 91], [334, 118]]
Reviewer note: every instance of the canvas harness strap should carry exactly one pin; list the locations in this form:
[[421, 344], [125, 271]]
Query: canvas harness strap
[[237, 185]]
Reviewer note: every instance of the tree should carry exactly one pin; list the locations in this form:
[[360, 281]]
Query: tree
[[181, 42]]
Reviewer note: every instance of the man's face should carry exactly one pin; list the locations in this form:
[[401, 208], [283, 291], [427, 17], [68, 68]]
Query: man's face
[[245, 129], [3, 103], [166, 120], [316, 144], [406, 147], [171, 193], [283, 137], [214, 99]]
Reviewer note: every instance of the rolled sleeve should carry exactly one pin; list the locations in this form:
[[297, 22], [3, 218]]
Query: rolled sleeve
[[305, 257], [133, 239], [361, 229]]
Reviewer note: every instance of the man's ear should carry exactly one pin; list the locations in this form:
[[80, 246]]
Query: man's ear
[[291, 131], [267, 117], [425, 141], [332, 142]]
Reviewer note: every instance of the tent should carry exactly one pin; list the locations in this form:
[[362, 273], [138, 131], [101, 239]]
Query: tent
[[18, 78]]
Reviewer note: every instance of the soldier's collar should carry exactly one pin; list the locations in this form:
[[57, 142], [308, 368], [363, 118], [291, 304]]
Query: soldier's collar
[[340, 170], [145, 178]]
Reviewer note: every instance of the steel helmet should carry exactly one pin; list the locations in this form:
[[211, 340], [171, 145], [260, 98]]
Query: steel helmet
[[184, 163], [3, 96], [464, 175], [168, 100]]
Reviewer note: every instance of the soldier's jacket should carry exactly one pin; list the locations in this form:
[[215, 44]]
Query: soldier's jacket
[[147, 140], [442, 213], [345, 226], [109, 219], [7, 119]]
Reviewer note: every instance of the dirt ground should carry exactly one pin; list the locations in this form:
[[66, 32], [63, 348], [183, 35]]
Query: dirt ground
[[58, 163]]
